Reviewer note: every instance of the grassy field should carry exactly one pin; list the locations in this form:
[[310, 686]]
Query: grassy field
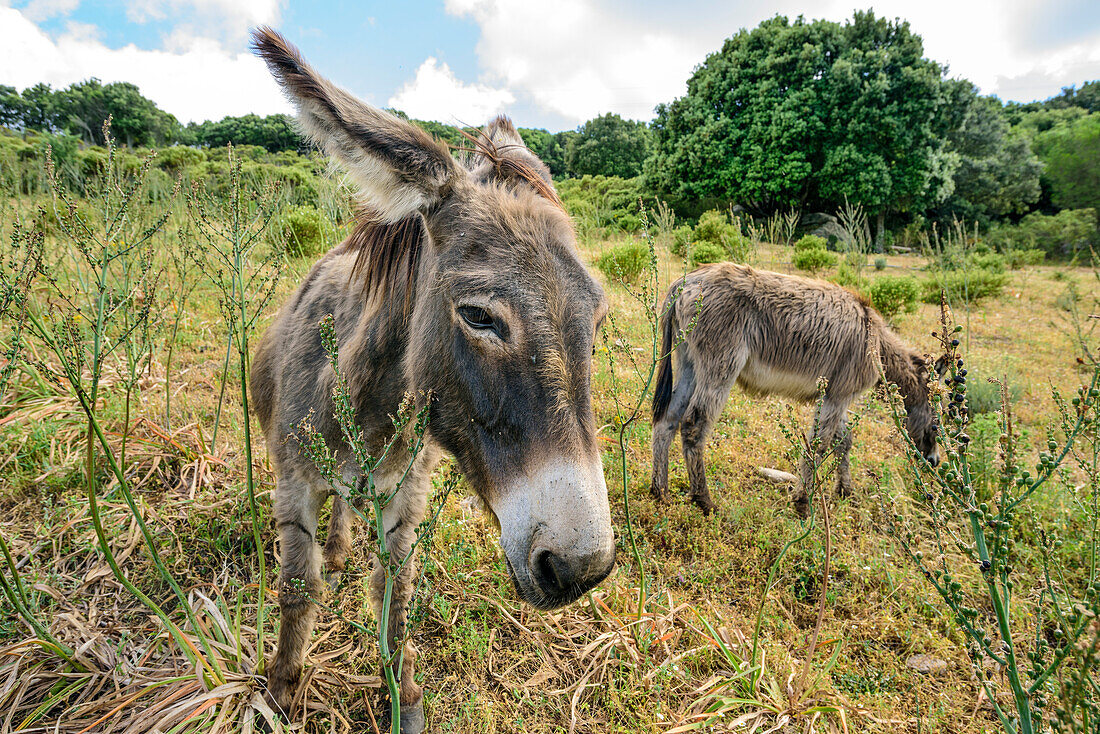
[[488, 663]]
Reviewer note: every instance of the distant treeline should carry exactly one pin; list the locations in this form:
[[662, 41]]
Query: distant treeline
[[607, 145], [804, 115]]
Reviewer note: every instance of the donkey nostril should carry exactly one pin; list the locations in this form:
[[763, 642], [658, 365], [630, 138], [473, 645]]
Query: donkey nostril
[[550, 571]]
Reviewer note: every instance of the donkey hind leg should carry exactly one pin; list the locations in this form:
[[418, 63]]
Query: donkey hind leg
[[297, 504], [705, 406], [338, 543], [665, 429], [829, 432], [401, 518]]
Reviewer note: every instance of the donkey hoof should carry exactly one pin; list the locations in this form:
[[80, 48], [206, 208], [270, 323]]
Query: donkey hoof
[[412, 718], [706, 504]]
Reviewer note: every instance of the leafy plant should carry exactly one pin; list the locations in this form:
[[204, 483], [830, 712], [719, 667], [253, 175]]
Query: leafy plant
[[813, 260], [303, 229], [624, 263], [705, 251], [894, 295]]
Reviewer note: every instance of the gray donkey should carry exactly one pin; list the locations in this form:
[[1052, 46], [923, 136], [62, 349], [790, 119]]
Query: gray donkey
[[775, 334], [461, 286]]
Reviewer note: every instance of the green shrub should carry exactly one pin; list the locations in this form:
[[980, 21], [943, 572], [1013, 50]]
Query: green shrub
[[1025, 258], [983, 396], [892, 295], [304, 230], [810, 242], [625, 262], [178, 157], [705, 251], [629, 222], [988, 261], [846, 275], [681, 240], [963, 286], [1064, 233], [880, 263], [714, 226], [814, 260]]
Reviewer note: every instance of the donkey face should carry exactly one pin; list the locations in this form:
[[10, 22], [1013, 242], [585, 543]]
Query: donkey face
[[921, 421], [501, 329]]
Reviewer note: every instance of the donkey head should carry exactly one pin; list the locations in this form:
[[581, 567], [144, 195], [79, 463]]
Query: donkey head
[[921, 421], [501, 326]]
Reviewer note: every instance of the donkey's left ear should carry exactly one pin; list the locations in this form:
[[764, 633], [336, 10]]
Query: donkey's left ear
[[400, 168]]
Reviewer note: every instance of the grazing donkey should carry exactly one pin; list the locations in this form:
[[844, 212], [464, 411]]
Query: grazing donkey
[[462, 287], [775, 334]]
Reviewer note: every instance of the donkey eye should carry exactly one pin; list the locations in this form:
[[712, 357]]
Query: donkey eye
[[476, 318]]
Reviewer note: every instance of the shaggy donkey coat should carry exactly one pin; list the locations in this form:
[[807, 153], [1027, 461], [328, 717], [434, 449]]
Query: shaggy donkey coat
[[774, 334], [460, 286]]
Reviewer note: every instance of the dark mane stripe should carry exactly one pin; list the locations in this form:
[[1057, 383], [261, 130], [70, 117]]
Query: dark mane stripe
[[387, 253]]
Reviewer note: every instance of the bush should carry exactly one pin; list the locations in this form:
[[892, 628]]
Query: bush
[[704, 251], [813, 260], [1025, 258], [681, 240], [880, 263], [846, 275], [963, 286], [624, 263], [1064, 233], [892, 295], [810, 242], [304, 230], [983, 397], [990, 261]]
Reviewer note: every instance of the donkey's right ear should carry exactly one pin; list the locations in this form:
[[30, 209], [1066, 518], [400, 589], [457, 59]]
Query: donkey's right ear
[[400, 168]]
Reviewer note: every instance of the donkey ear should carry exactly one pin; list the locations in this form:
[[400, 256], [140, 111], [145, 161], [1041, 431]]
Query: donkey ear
[[503, 156], [400, 168]]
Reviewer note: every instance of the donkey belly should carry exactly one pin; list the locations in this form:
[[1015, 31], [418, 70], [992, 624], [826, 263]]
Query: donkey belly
[[759, 378]]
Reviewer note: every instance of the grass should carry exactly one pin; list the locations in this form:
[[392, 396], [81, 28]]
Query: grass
[[490, 664]]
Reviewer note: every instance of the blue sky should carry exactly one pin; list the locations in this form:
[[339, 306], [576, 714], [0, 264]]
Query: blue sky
[[548, 63]]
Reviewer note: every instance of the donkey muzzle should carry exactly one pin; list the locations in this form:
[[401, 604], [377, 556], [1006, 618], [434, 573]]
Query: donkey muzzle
[[555, 528]]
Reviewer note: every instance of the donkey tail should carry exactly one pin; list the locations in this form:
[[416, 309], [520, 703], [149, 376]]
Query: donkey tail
[[662, 393]]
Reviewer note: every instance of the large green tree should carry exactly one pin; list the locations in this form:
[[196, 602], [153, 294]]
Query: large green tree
[[808, 114], [1071, 154], [274, 132], [608, 145], [997, 174]]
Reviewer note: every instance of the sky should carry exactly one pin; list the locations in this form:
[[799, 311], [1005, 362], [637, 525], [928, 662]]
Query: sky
[[547, 63]]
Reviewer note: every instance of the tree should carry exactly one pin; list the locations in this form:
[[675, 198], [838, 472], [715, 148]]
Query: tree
[[1087, 97], [806, 114], [608, 145], [1071, 154], [548, 146], [997, 173], [273, 133], [12, 107]]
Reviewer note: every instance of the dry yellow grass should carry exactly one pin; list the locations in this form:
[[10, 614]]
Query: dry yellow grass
[[489, 664]]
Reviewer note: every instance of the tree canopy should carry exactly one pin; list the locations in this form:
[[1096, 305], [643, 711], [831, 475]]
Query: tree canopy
[[806, 114], [608, 145]]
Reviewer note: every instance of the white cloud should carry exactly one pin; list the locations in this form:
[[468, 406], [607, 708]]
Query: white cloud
[[436, 94], [580, 58], [226, 20], [196, 82], [37, 10]]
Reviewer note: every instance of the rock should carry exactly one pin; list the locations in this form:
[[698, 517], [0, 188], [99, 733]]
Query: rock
[[926, 664]]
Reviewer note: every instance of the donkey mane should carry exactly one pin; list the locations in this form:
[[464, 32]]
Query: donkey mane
[[387, 254]]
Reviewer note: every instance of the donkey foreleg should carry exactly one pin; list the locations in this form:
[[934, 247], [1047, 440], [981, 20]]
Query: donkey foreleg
[[401, 518], [828, 433], [338, 542], [297, 503]]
